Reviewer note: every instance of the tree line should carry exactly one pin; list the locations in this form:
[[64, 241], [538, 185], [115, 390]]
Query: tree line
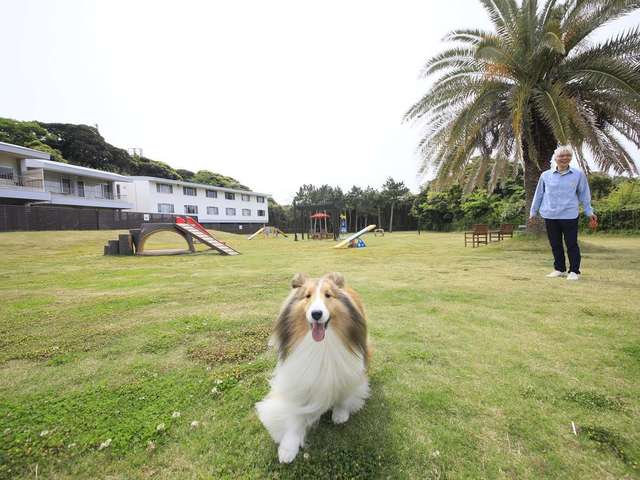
[[83, 145], [389, 206]]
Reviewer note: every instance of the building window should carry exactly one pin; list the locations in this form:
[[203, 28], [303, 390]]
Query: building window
[[65, 184], [107, 191], [189, 191], [81, 188], [192, 209], [229, 196], [246, 212], [164, 188], [212, 210], [231, 212], [246, 198], [118, 194], [212, 194], [261, 213], [260, 199], [165, 208], [6, 173]]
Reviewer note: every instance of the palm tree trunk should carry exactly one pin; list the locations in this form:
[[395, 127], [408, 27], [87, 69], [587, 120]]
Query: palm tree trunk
[[544, 146], [393, 204]]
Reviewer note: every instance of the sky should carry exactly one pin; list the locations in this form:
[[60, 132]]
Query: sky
[[274, 93]]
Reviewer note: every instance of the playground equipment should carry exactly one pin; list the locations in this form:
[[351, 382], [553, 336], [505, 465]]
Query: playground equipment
[[343, 223], [189, 229], [347, 241], [357, 243], [302, 221], [319, 226], [267, 232]]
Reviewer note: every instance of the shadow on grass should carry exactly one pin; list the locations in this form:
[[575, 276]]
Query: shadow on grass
[[533, 243], [362, 448]]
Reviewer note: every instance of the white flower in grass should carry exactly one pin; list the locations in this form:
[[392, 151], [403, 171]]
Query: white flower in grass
[[175, 415], [71, 445], [44, 433], [160, 427], [214, 391], [195, 424], [218, 382], [105, 444], [306, 455], [151, 445]]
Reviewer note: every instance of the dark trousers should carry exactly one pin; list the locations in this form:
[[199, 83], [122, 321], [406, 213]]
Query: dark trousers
[[556, 230]]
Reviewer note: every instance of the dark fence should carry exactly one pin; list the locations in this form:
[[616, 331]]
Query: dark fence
[[241, 228], [41, 217]]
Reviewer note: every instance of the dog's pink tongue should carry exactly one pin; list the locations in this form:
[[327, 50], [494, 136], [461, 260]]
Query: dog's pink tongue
[[317, 331]]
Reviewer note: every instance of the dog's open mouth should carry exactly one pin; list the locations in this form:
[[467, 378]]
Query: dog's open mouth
[[318, 330]]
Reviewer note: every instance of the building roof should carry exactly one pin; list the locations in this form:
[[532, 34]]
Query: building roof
[[75, 170], [23, 152], [197, 185]]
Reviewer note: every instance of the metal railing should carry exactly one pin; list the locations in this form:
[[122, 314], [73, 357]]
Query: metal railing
[[95, 192], [8, 180]]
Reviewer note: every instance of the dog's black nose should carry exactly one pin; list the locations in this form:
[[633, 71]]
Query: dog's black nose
[[316, 314]]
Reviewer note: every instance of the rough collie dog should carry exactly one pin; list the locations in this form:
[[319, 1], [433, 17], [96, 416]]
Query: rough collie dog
[[321, 338]]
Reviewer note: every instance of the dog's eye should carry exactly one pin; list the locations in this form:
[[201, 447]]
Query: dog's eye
[[328, 295], [308, 295]]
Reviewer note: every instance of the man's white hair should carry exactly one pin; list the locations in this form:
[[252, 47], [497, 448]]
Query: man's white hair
[[560, 150]]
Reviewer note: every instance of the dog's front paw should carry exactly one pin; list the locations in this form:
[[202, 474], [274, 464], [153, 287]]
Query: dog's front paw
[[339, 415], [286, 453]]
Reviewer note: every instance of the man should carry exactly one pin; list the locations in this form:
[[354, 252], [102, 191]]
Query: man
[[557, 196]]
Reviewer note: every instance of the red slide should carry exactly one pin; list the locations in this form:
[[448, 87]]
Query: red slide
[[191, 221]]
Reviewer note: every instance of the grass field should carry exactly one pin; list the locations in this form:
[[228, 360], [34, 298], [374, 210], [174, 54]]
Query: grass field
[[480, 363]]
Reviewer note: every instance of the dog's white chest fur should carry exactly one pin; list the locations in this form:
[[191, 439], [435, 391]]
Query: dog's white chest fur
[[317, 375]]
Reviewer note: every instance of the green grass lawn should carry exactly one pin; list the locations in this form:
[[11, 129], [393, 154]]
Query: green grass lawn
[[480, 363]]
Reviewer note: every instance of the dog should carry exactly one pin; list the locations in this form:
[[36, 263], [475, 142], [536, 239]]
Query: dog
[[323, 354]]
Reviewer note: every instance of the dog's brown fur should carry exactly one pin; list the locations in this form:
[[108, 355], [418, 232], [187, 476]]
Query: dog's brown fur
[[347, 312]]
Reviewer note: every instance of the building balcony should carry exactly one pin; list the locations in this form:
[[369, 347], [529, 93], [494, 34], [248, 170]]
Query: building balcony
[[23, 188], [21, 182]]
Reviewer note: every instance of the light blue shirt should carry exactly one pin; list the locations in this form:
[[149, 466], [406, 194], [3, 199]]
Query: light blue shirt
[[558, 195]]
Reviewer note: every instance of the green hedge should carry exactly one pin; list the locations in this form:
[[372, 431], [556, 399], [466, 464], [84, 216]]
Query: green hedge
[[626, 219]]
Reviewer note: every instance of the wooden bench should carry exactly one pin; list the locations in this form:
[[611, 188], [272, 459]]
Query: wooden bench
[[378, 231], [479, 235], [506, 230]]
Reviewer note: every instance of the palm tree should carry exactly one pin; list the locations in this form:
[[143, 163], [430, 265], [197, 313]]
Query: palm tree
[[512, 94]]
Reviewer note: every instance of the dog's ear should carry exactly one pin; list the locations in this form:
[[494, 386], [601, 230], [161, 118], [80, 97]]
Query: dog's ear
[[336, 278], [298, 280]]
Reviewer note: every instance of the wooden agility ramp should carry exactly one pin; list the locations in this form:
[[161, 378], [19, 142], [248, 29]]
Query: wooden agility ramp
[[205, 237], [267, 231], [190, 230]]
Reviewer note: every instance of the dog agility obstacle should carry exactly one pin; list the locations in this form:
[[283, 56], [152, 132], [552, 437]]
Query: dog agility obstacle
[[134, 242], [356, 235], [267, 231]]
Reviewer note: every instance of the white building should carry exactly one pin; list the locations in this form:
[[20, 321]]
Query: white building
[[212, 205], [27, 176]]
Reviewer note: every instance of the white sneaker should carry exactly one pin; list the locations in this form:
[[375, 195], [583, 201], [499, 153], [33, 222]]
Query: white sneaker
[[573, 276], [556, 274]]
